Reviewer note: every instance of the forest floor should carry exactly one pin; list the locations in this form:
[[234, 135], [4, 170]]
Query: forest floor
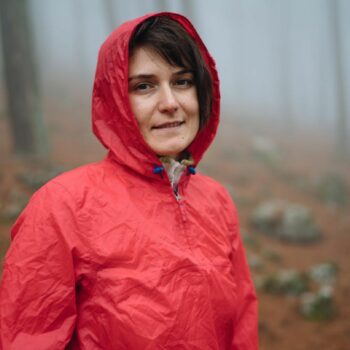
[[250, 180]]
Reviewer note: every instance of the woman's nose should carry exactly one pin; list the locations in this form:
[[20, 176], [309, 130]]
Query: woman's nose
[[167, 100]]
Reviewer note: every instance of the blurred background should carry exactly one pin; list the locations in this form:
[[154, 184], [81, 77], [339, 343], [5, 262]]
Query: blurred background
[[282, 149]]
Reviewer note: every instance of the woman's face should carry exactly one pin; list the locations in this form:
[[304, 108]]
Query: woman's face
[[164, 101]]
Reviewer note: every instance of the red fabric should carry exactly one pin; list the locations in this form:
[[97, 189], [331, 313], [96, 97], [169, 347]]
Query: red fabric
[[105, 256]]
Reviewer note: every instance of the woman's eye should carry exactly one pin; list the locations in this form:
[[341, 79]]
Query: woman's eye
[[143, 87], [184, 82]]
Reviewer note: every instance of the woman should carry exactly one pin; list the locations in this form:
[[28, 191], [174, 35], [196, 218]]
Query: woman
[[135, 252]]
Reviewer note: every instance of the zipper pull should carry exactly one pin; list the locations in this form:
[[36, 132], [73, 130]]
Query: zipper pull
[[176, 192]]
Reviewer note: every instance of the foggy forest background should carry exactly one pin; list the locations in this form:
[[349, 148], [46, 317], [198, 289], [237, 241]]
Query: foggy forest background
[[280, 62], [282, 149]]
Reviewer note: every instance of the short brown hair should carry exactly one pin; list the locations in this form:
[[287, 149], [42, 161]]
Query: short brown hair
[[172, 42]]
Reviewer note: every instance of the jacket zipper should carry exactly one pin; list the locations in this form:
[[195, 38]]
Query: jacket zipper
[[176, 193], [183, 215]]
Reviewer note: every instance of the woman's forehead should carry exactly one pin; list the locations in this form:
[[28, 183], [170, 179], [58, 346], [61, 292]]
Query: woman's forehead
[[146, 61]]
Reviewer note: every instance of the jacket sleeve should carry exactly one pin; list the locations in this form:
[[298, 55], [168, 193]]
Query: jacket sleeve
[[245, 332], [37, 292]]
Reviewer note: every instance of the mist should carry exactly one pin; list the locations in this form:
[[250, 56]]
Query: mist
[[283, 141], [276, 59]]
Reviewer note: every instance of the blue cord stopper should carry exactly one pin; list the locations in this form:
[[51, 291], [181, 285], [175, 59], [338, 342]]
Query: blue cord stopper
[[158, 169], [191, 170]]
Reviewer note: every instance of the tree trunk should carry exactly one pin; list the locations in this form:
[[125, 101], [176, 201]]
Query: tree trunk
[[28, 132], [161, 5], [110, 15], [188, 9], [341, 120], [285, 66], [80, 42]]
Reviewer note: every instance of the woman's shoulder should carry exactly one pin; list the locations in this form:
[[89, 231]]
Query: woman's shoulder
[[65, 194], [79, 179], [207, 183], [70, 186], [82, 175], [213, 189]]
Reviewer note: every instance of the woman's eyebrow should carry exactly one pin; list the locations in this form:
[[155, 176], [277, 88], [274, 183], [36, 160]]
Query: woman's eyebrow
[[141, 76], [150, 76], [183, 71]]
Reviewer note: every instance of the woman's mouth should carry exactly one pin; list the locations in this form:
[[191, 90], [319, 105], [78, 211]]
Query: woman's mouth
[[168, 125]]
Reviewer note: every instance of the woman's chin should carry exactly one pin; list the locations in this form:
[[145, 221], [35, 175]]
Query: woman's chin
[[170, 148], [174, 155], [172, 152]]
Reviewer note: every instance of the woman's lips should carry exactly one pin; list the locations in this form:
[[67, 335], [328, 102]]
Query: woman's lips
[[168, 125]]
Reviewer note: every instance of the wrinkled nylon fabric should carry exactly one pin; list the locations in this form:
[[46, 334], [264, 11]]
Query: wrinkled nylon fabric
[[106, 257]]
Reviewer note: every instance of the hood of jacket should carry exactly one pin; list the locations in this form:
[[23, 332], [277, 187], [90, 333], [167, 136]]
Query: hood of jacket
[[113, 121]]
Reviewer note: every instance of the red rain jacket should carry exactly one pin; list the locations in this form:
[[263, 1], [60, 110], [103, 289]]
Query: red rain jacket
[[106, 257]]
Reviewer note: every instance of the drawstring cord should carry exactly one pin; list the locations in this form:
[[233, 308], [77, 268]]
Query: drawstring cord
[[158, 169], [174, 170], [191, 170]]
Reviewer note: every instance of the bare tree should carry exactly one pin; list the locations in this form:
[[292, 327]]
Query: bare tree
[[24, 112], [341, 121], [188, 9], [80, 40], [110, 14], [285, 64], [161, 5]]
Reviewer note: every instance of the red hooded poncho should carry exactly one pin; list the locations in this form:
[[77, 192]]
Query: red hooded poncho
[[106, 257]]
